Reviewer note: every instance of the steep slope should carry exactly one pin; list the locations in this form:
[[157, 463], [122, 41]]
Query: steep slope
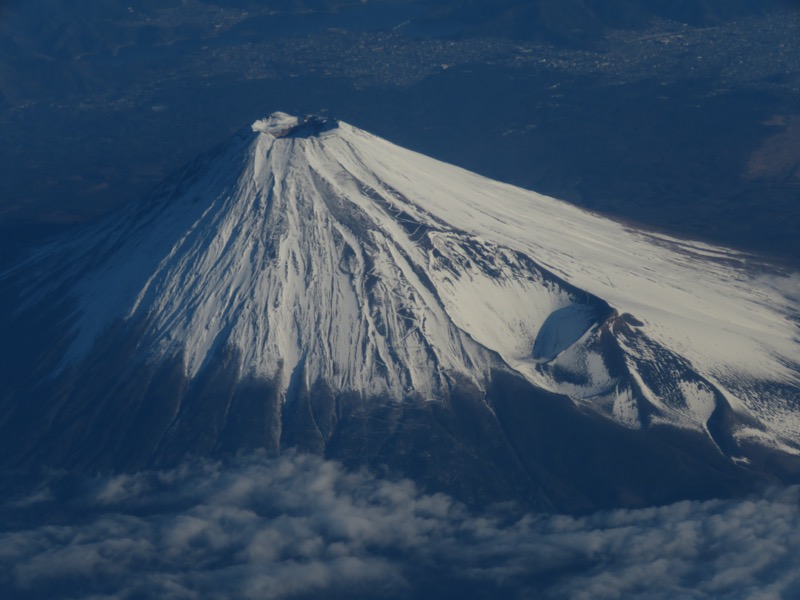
[[311, 285]]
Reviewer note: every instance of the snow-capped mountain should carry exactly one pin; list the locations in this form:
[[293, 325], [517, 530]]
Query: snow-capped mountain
[[309, 284]]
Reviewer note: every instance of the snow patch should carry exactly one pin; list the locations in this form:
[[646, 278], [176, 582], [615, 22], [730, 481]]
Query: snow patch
[[625, 409], [700, 400]]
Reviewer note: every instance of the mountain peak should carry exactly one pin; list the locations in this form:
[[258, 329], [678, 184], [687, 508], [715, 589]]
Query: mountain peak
[[346, 262], [280, 124]]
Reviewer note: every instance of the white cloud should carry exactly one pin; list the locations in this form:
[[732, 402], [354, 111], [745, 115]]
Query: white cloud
[[300, 526]]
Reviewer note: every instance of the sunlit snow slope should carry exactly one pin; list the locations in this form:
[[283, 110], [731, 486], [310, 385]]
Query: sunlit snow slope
[[313, 248]]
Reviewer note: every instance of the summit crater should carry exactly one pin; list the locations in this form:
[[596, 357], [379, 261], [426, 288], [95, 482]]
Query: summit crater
[[280, 124]]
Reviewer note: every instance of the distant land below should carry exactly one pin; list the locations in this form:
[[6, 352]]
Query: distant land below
[[681, 118]]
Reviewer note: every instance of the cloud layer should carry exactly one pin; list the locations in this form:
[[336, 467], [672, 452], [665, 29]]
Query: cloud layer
[[300, 526]]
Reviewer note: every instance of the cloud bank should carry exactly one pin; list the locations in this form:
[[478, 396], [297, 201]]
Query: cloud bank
[[303, 527]]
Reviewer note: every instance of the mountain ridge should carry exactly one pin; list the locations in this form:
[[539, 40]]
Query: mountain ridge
[[308, 273]]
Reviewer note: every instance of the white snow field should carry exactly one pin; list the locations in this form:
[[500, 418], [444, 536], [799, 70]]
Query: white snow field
[[385, 272]]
